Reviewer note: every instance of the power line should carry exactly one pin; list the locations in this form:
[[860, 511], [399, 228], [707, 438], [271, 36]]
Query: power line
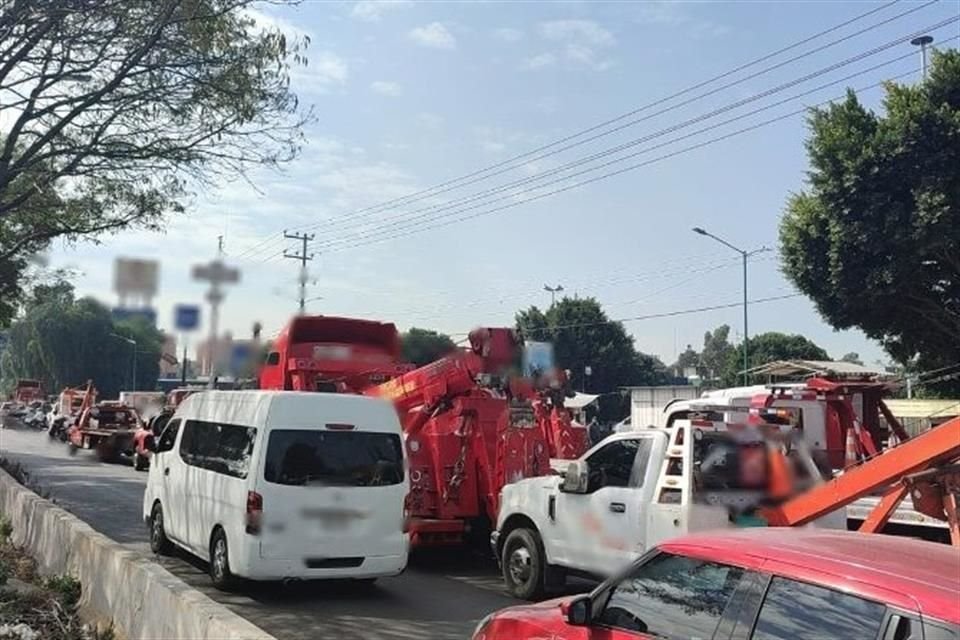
[[333, 223], [370, 239], [526, 155], [483, 196], [668, 314]]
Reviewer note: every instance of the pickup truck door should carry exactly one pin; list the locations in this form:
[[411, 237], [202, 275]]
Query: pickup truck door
[[603, 529]]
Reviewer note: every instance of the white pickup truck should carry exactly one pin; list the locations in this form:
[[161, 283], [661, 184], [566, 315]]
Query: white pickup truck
[[626, 494]]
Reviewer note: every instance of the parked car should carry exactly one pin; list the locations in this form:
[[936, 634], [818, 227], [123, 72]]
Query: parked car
[[760, 584], [270, 485]]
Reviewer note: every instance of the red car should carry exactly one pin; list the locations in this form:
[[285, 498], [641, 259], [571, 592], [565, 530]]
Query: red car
[[760, 584]]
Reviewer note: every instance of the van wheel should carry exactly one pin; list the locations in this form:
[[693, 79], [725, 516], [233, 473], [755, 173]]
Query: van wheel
[[159, 543], [220, 562], [523, 564]]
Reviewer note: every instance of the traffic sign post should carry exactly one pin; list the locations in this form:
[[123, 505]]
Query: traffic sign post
[[186, 318]]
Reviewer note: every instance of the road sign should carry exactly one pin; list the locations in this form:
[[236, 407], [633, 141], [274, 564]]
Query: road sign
[[120, 314], [135, 278], [186, 317]]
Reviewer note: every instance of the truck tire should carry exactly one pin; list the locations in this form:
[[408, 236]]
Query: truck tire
[[139, 462], [159, 543], [220, 573], [524, 564]]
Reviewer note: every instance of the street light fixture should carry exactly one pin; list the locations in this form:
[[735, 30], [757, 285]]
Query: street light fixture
[[923, 42], [132, 342], [744, 255], [553, 292]]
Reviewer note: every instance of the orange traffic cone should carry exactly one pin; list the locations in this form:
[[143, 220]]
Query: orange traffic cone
[[851, 457]]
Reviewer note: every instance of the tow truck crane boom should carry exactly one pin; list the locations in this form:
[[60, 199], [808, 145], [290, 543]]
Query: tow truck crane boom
[[921, 466]]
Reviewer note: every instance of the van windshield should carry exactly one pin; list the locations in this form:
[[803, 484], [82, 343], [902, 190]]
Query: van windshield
[[311, 457]]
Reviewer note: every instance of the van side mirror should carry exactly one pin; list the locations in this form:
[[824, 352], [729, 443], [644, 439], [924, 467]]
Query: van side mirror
[[578, 612], [575, 479]]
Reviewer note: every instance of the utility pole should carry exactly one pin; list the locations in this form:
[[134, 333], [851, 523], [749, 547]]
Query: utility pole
[[217, 274], [922, 42], [303, 257]]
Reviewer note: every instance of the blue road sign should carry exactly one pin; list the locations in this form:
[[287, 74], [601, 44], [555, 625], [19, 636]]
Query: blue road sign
[[186, 317], [120, 314]]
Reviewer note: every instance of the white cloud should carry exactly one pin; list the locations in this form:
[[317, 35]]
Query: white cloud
[[385, 88], [508, 34], [538, 62], [373, 10], [579, 43], [675, 14], [326, 70], [433, 35], [585, 31], [270, 22]]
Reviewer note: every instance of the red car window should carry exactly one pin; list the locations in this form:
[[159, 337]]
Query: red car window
[[672, 597]]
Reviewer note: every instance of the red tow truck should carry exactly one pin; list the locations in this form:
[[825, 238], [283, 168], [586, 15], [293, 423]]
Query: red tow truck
[[26, 391], [107, 427], [472, 424]]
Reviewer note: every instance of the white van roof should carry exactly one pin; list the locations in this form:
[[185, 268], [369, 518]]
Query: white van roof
[[291, 409]]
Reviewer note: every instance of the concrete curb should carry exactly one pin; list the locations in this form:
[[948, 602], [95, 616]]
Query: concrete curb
[[142, 599]]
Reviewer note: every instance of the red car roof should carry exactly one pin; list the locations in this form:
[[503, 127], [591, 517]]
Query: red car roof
[[874, 566]]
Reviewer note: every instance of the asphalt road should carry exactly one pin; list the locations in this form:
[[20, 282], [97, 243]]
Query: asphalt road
[[441, 596]]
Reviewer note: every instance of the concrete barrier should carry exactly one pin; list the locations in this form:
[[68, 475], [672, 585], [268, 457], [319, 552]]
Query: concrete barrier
[[141, 598]]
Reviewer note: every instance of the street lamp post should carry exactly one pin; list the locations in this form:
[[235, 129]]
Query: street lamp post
[[133, 343], [923, 42], [744, 255], [553, 291]]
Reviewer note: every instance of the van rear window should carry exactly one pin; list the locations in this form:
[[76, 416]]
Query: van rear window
[[311, 457]]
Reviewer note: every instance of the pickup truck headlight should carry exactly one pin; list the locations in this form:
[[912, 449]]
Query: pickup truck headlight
[[478, 632]]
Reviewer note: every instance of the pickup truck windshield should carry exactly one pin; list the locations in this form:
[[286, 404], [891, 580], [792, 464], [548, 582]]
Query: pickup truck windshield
[[312, 457]]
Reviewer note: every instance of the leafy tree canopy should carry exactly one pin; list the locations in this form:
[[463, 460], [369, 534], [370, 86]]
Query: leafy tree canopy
[[768, 347], [686, 360], [117, 107], [853, 358], [717, 352], [64, 342], [583, 336], [874, 239], [423, 346]]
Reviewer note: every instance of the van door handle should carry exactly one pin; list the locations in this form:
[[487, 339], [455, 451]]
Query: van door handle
[[166, 471], [618, 507]]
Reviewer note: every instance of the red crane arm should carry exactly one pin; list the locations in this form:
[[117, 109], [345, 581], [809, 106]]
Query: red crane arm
[[935, 447]]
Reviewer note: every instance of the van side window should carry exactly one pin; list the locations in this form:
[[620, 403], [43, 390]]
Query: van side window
[[793, 609], [221, 448], [168, 436], [273, 358]]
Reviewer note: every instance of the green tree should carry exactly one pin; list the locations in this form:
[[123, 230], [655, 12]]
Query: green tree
[[716, 352], [118, 108], [65, 342], [874, 239], [769, 347], [423, 346], [687, 360], [853, 358], [583, 336]]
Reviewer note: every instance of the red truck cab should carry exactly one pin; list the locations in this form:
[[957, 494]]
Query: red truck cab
[[326, 353], [760, 583]]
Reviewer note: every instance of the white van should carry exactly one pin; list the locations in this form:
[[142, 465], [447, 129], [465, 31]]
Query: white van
[[270, 485]]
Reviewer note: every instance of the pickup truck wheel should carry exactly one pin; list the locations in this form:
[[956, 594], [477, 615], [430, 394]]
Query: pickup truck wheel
[[159, 543], [523, 564], [139, 462]]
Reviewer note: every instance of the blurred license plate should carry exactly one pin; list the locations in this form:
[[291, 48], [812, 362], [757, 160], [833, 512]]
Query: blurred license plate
[[332, 518]]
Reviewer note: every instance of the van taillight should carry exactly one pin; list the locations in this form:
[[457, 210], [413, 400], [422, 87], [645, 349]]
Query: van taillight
[[254, 512]]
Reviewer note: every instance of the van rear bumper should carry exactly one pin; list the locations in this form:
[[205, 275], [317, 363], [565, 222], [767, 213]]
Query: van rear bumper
[[254, 567]]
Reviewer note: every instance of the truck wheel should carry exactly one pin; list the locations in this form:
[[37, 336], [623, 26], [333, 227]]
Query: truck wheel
[[159, 543], [106, 452], [139, 463], [220, 573], [523, 564]]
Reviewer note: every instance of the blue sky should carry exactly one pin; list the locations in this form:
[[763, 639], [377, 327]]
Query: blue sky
[[409, 95]]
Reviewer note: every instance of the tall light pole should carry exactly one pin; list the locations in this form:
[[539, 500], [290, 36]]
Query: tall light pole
[[553, 292], [132, 342], [744, 255], [922, 42]]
